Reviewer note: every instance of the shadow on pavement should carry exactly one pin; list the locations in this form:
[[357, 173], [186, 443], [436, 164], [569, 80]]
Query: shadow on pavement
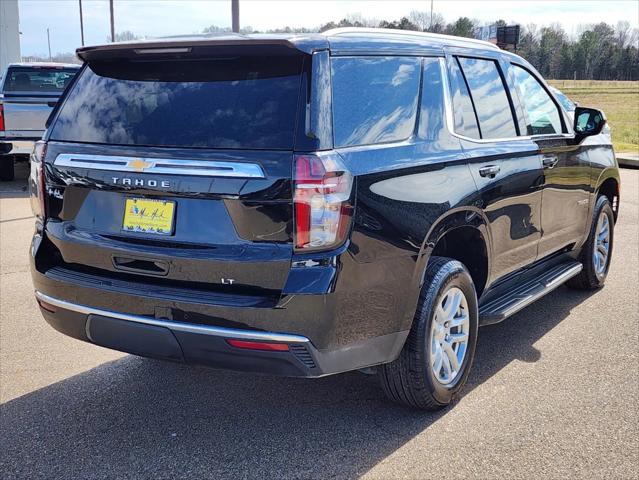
[[17, 188], [144, 418]]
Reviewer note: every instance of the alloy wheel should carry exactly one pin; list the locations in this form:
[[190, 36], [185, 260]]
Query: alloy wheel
[[449, 336], [602, 244]]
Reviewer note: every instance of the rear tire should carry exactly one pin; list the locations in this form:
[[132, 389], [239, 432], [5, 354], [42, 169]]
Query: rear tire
[[418, 377], [596, 268], [7, 171]]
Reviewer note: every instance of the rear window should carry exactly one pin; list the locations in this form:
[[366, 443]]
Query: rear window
[[234, 102], [38, 79]]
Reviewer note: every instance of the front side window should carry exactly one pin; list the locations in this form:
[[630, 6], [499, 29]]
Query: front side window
[[374, 99], [542, 112], [564, 100], [489, 97]]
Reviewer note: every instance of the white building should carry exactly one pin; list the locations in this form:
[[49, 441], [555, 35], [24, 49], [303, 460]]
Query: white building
[[9, 33]]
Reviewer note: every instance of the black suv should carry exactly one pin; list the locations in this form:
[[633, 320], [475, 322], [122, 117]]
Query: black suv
[[309, 205]]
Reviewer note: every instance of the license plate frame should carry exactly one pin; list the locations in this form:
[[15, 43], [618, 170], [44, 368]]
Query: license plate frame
[[136, 219]]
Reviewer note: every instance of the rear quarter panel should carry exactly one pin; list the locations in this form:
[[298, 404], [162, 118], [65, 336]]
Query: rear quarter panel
[[407, 198]]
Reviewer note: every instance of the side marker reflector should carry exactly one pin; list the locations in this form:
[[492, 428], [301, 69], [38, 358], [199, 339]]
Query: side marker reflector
[[271, 347], [46, 306]]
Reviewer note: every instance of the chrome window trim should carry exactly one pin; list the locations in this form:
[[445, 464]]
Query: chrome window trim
[[167, 166], [177, 326], [450, 124]]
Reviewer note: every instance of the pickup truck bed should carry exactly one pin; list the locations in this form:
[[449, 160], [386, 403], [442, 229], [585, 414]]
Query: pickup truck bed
[[28, 93]]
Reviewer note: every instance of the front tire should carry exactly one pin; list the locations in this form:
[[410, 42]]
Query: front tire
[[597, 251], [434, 364]]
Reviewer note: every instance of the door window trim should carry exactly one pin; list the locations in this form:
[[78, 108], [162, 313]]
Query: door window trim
[[455, 59], [503, 82], [448, 108]]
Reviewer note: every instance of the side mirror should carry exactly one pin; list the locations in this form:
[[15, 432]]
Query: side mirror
[[588, 122]]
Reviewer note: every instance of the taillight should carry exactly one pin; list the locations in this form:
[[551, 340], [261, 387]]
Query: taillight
[[37, 180], [1, 118], [322, 201]]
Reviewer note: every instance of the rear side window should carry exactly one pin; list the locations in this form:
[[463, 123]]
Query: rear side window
[[38, 79], [463, 112], [374, 99], [235, 102], [489, 97], [542, 112]]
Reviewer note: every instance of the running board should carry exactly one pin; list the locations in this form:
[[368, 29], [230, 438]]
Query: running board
[[503, 307]]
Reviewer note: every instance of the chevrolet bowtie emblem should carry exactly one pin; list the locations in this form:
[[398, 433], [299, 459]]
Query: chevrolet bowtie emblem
[[139, 165]]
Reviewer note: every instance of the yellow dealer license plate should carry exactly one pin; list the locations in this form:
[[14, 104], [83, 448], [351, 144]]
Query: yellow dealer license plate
[[144, 215]]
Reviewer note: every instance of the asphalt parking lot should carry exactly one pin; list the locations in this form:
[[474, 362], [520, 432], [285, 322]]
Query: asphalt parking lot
[[554, 393]]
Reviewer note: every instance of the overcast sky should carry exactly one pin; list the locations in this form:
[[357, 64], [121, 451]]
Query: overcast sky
[[172, 17]]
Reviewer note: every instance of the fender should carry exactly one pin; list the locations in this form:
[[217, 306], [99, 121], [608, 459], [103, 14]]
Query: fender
[[603, 166], [608, 172]]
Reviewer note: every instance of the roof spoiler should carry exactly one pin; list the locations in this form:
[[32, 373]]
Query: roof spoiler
[[186, 47]]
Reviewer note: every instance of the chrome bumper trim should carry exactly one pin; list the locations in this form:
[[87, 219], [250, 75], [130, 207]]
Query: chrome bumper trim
[[167, 166], [177, 326]]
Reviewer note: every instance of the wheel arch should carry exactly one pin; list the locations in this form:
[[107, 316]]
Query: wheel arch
[[462, 234], [608, 184]]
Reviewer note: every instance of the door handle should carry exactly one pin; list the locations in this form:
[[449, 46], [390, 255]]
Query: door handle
[[489, 171], [549, 161]]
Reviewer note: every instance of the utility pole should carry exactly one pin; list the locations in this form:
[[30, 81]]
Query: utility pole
[[81, 24], [49, 42], [431, 15], [235, 11], [112, 25]]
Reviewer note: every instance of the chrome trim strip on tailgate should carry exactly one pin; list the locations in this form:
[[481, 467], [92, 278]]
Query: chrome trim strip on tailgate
[[177, 326], [169, 166]]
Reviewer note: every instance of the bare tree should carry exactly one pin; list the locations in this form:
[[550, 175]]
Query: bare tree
[[126, 36], [421, 19], [360, 20], [437, 24]]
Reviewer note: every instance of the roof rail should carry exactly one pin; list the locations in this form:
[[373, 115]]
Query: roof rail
[[407, 33]]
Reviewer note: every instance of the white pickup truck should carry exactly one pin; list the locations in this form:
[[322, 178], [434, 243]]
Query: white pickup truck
[[28, 93]]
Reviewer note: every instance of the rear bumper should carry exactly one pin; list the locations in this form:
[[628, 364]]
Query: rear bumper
[[208, 345], [19, 146]]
